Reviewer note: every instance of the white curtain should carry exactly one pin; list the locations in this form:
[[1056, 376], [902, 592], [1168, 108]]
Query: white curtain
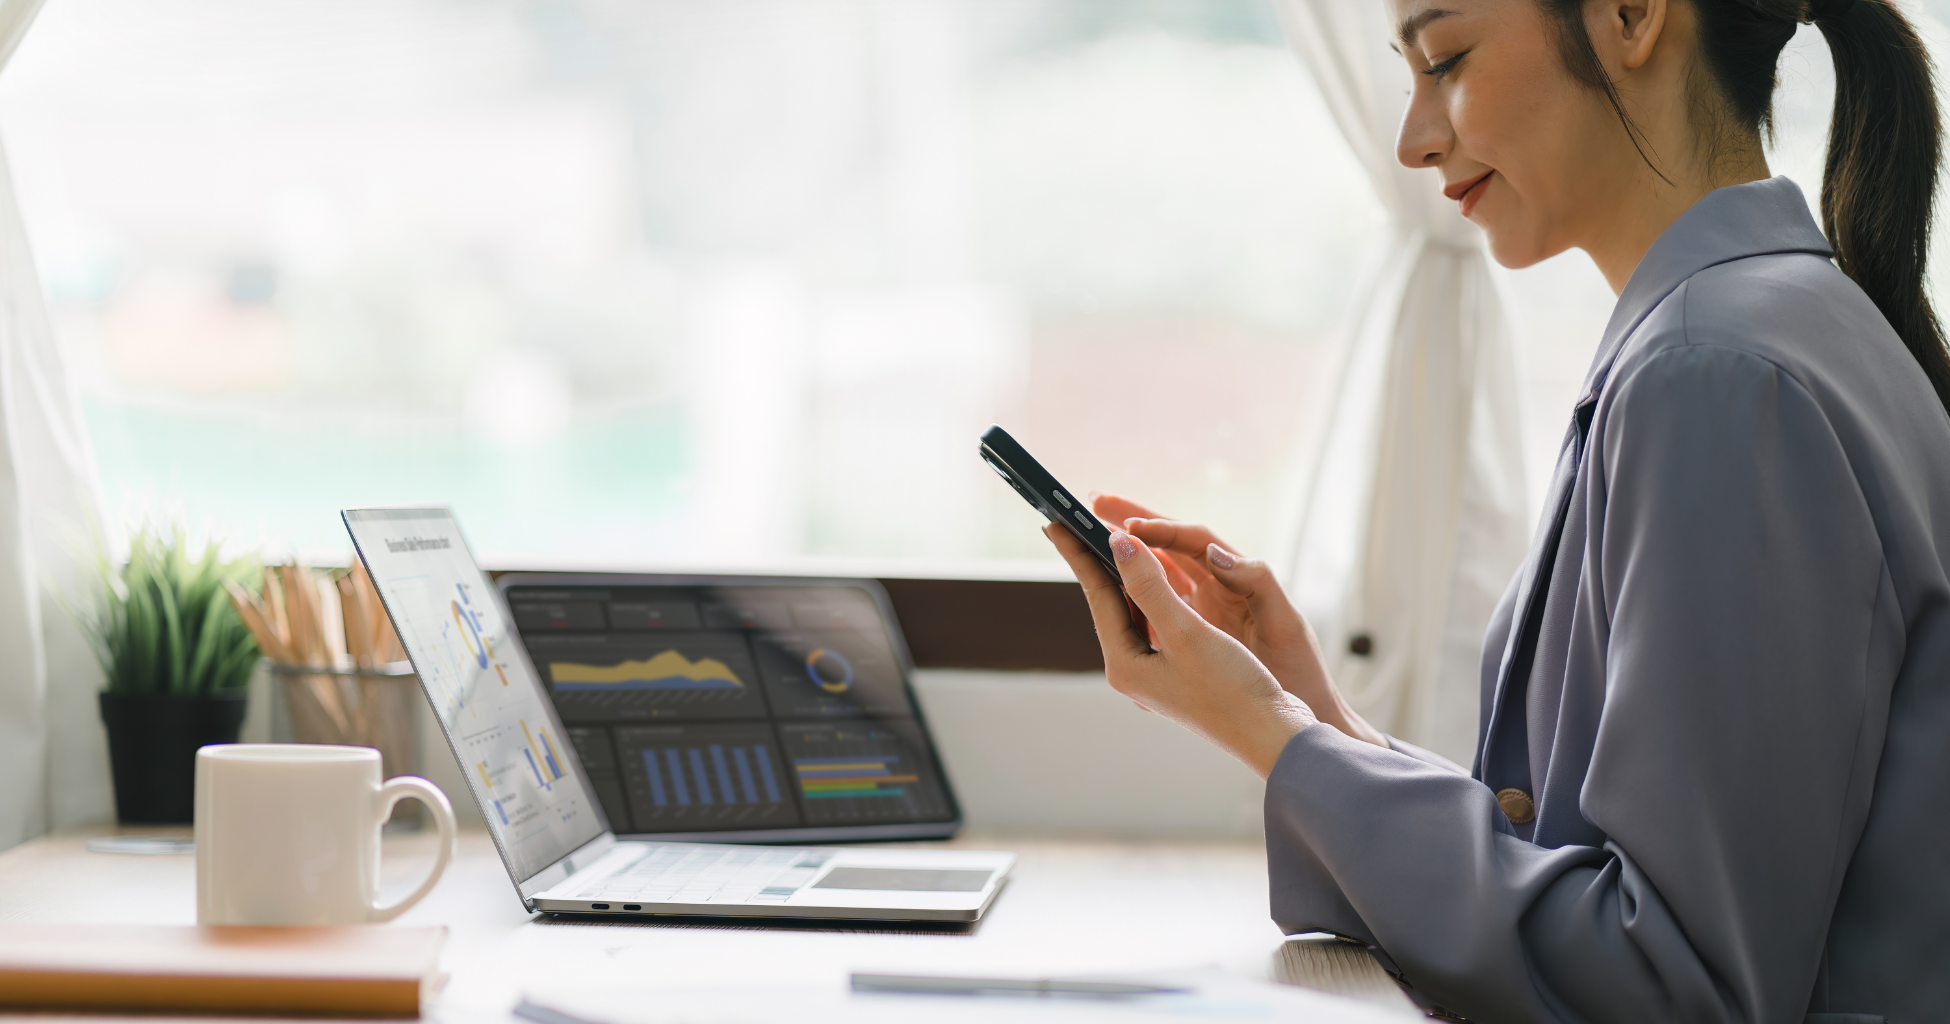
[[1415, 512], [52, 751]]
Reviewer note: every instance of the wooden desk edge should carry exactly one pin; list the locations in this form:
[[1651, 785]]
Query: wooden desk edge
[[1328, 964]]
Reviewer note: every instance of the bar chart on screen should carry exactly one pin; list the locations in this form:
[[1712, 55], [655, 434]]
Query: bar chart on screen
[[864, 777], [542, 758], [487, 792], [862, 772], [704, 776]]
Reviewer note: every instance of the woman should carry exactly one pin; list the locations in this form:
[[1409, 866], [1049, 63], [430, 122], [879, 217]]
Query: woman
[[1713, 776]]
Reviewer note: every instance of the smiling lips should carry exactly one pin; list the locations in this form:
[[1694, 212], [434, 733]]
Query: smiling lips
[[1468, 193]]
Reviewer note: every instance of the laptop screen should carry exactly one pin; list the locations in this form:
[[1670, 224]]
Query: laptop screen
[[736, 708], [495, 713]]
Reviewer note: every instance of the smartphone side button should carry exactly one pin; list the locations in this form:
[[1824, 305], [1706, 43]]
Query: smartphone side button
[[1084, 519], [1058, 495]]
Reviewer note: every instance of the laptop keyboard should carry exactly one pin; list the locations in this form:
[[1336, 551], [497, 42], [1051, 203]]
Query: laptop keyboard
[[710, 874]]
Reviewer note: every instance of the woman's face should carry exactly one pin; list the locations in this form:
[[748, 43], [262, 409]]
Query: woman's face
[[1531, 155]]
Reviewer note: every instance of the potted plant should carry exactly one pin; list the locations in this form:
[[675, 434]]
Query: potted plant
[[178, 662]]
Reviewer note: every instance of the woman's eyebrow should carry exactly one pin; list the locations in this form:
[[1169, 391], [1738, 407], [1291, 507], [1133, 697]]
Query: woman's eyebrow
[[1412, 27]]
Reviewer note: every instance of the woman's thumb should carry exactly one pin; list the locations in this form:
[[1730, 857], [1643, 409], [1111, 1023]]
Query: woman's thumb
[[1144, 579]]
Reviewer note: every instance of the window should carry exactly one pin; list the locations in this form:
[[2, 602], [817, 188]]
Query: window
[[680, 282], [670, 282]]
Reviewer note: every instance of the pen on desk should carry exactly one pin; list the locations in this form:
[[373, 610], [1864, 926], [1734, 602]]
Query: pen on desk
[[922, 985]]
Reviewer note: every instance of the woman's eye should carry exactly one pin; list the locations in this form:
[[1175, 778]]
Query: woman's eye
[[1441, 70]]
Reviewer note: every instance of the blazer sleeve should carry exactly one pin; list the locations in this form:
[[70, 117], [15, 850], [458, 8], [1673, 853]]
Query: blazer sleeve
[[1743, 629], [1420, 754]]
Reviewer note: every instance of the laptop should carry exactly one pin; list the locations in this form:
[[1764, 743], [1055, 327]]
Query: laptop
[[808, 775]]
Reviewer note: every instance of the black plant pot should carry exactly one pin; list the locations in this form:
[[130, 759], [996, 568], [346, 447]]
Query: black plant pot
[[152, 743]]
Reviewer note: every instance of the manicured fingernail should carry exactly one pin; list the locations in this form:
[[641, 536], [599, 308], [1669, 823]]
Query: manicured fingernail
[[1219, 556], [1122, 546]]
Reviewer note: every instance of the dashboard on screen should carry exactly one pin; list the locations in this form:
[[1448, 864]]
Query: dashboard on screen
[[736, 708]]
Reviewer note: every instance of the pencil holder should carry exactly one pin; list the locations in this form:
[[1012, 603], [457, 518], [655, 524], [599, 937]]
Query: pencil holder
[[354, 707]]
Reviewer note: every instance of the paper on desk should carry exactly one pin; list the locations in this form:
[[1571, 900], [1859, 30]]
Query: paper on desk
[[1213, 995]]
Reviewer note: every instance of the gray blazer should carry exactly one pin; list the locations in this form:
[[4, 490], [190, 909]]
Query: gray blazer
[[1722, 676]]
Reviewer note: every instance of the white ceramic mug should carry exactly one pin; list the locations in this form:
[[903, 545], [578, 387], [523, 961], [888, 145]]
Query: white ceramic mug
[[288, 834]]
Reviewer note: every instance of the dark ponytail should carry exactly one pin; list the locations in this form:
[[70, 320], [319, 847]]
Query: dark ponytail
[[1878, 191]]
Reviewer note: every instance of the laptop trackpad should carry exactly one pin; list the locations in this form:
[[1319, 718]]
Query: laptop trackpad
[[905, 879]]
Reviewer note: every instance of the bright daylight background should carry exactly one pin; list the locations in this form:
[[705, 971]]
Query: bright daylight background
[[667, 281]]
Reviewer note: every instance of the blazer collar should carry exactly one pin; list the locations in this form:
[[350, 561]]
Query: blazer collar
[[1758, 218]]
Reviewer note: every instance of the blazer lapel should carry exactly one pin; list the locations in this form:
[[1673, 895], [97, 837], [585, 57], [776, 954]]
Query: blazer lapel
[[1504, 759]]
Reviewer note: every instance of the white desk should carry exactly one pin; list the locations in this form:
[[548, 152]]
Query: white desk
[[1071, 906]]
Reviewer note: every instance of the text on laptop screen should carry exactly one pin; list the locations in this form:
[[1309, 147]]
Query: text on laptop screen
[[481, 688]]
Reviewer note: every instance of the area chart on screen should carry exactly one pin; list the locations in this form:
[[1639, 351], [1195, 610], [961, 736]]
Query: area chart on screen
[[667, 670]]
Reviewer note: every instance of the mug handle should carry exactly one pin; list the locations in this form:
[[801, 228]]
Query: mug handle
[[401, 788]]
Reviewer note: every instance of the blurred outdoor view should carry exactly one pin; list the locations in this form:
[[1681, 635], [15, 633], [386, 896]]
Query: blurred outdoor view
[[682, 282], [685, 282]]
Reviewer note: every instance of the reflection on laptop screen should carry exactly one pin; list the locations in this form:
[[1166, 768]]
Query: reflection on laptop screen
[[494, 710]]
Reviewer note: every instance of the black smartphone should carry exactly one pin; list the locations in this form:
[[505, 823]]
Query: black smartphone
[[1056, 502]]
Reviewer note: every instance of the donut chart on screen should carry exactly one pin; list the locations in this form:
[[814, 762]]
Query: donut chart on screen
[[830, 670]]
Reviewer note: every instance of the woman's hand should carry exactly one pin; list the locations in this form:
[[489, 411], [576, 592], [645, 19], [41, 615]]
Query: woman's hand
[[1198, 676], [1240, 596]]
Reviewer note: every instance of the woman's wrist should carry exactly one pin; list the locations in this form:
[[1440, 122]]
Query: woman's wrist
[[1313, 687], [1352, 725], [1268, 734]]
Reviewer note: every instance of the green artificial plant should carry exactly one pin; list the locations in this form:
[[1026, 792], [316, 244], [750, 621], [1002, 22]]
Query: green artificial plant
[[163, 623]]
